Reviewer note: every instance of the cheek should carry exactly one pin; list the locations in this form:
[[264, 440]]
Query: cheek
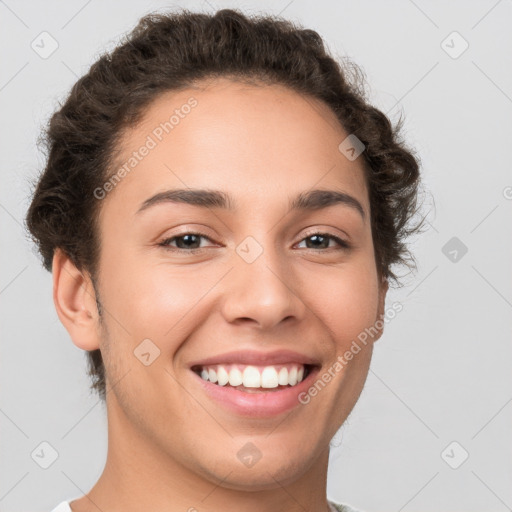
[[157, 301], [345, 300], [150, 312]]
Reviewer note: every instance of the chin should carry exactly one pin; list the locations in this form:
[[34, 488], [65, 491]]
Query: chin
[[274, 468]]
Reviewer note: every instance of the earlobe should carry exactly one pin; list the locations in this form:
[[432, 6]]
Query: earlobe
[[75, 301]]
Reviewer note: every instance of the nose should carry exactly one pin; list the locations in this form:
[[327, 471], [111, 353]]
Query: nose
[[262, 292]]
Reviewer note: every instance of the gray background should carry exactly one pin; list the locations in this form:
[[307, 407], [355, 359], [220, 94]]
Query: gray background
[[441, 372]]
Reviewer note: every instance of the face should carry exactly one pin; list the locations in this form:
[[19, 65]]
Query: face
[[237, 285]]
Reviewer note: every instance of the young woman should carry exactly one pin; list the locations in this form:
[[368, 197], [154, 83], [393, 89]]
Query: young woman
[[221, 209]]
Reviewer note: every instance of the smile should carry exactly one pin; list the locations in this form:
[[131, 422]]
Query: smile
[[256, 401], [250, 378]]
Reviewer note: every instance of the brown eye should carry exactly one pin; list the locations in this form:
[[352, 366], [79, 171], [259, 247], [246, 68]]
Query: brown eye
[[322, 241], [188, 242]]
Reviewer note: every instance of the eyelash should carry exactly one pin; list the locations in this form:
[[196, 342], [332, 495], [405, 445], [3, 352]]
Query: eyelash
[[344, 245]]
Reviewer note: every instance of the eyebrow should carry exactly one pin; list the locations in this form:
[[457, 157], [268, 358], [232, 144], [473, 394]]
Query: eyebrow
[[312, 200]]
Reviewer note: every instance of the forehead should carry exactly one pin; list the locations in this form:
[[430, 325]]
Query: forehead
[[256, 141]]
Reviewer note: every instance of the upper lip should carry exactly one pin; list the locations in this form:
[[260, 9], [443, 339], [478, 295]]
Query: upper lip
[[255, 357]]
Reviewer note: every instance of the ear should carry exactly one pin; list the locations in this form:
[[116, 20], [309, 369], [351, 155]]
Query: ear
[[75, 301], [383, 290]]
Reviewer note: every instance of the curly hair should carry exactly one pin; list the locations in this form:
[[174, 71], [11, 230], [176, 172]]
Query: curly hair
[[173, 51]]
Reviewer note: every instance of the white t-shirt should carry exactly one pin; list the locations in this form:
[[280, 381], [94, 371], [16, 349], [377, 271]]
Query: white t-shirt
[[62, 507], [335, 507]]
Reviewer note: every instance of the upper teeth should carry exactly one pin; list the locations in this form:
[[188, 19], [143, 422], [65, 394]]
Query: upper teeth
[[254, 376]]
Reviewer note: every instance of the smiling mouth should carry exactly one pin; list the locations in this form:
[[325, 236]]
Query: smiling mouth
[[252, 378]]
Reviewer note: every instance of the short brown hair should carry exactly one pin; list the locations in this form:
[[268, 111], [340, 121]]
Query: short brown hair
[[166, 52]]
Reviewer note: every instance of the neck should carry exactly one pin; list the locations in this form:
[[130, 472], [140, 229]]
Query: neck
[[139, 473]]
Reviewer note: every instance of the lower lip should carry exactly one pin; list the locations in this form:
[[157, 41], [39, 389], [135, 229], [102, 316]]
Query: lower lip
[[261, 404]]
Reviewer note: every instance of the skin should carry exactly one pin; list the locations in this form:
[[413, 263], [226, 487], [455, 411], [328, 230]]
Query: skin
[[169, 445]]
